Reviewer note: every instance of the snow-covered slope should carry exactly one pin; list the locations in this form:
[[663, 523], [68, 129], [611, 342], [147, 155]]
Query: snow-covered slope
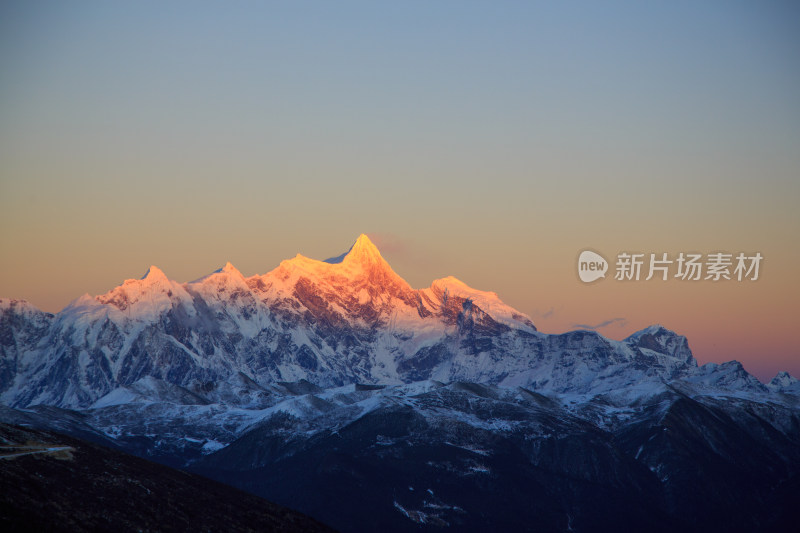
[[786, 383], [467, 455], [22, 328], [350, 319]]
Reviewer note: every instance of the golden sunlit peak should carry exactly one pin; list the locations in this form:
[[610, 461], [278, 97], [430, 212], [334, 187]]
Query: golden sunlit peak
[[229, 269], [154, 273], [363, 251], [364, 247]]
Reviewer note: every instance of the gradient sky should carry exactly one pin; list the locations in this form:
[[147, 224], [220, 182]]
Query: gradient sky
[[492, 141]]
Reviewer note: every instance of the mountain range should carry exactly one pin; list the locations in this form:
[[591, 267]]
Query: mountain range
[[335, 388]]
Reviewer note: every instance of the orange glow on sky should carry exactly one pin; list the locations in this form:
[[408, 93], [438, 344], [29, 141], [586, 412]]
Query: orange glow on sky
[[489, 144]]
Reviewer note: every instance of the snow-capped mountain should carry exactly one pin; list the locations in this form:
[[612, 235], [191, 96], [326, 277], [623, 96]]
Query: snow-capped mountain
[[335, 388], [468, 456], [344, 320], [785, 382]]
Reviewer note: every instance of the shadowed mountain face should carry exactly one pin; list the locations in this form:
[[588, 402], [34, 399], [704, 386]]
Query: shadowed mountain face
[[438, 462], [53, 482], [472, 457], [477, 458], [334, 388]]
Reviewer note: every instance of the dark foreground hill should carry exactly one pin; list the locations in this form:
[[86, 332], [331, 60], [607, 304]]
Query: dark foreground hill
[[52, 482]]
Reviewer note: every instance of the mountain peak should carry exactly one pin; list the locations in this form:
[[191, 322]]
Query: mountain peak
[[220, 275], [364, 241], [229, 269], [363, 252], [361, 271], [659, 339], [18, 306], [154, 274], [783, 379], [489, 302], [785, 383], [652, 330]]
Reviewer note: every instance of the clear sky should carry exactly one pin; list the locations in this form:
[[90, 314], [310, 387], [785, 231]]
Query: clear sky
[[492, 141]]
